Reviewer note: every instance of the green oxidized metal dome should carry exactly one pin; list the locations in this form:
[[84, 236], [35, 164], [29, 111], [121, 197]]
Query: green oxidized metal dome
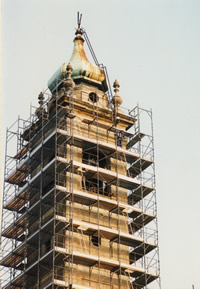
[[83, 70]]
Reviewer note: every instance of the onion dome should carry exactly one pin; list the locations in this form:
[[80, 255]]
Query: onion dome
[[83, 70]]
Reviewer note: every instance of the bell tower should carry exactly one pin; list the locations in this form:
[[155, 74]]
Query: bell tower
[[79, 208]]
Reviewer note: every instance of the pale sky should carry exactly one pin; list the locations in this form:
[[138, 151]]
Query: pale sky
[[152, 47]]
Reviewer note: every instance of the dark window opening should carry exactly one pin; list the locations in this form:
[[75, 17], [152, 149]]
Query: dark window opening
[[91, 158], [93, 97], [95, 186], [96, 241]]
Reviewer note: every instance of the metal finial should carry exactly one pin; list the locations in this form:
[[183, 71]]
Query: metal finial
[[40, 110], [116, 100], [68, 84], [79, 17], [79, 30], [41, 99], [116, 86]]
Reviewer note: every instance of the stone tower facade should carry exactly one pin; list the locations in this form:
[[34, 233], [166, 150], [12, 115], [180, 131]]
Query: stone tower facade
[[77, 203]]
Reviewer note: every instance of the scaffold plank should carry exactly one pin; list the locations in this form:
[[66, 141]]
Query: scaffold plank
[[140, 251], [144, 279], [29, 163], [18, 227], [107, 175], [18, 175], [139, 165], [82, 141], [108, 233], [134, 139], [22, 197], [65, 284], [141, 220], [16, 256], [22, 152], [106, 263], [89, 199], [138, 193]]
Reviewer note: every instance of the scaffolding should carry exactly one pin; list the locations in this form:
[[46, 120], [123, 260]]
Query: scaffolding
[[79, 201]]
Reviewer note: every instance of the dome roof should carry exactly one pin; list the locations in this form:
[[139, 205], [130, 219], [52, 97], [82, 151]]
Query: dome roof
[[82, 68]]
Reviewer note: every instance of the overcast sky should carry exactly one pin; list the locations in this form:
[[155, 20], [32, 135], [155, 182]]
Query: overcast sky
[[153, 48]]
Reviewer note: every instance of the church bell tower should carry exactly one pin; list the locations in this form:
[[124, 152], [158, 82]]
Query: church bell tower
[[79, 206]]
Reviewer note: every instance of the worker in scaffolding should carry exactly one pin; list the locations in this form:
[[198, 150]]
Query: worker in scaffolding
[[120, 135]]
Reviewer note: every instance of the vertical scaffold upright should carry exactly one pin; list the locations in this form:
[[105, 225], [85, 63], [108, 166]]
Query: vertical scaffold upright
[[79, 202]]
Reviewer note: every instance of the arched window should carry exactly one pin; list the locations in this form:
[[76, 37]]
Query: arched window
[[93, 97]]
